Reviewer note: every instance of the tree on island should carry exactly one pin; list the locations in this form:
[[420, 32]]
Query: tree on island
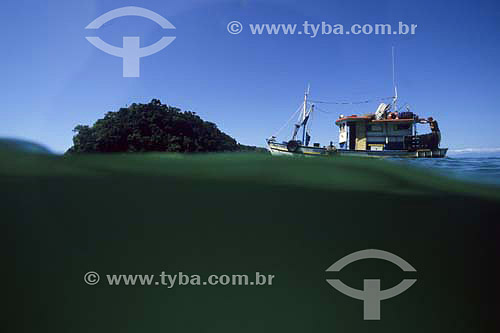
[[153, 127]]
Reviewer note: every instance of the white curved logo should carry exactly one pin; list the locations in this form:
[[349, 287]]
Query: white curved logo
[[131, 52], [371, 295]]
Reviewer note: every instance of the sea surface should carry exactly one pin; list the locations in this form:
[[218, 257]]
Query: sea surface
[[471, 166], [479, 169]]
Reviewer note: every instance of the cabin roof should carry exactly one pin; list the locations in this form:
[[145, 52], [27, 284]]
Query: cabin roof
[[354, 118], [394, 121]]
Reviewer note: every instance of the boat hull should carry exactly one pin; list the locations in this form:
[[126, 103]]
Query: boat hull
[[302, 151]]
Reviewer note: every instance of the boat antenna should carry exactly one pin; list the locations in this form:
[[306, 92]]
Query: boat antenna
[[395, 99]]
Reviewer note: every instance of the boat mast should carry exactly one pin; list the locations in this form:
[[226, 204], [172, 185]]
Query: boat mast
[[304, 110], [304, 113], [307, 136], [395, 98]]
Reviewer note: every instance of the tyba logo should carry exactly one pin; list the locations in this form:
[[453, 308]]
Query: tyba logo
[[131, 52], [371, 295]]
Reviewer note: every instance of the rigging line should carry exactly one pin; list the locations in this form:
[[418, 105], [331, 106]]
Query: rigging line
[[288, 121], [351, 103], [323, 111]]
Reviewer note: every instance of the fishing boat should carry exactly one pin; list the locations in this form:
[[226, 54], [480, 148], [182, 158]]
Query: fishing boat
[[388, 132]]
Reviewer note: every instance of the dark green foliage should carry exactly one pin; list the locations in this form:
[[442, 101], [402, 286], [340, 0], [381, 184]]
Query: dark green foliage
[[152, 127]]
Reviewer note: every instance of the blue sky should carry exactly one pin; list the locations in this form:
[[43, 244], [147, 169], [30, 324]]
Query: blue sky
[[54, 79]]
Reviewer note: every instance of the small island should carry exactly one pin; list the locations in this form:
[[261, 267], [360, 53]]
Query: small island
[[154, 127]]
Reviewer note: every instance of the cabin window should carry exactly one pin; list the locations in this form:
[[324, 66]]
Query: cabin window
[[374, 128], [402, 127]]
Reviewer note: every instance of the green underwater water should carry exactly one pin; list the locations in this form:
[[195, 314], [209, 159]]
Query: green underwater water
[[239, 214]]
